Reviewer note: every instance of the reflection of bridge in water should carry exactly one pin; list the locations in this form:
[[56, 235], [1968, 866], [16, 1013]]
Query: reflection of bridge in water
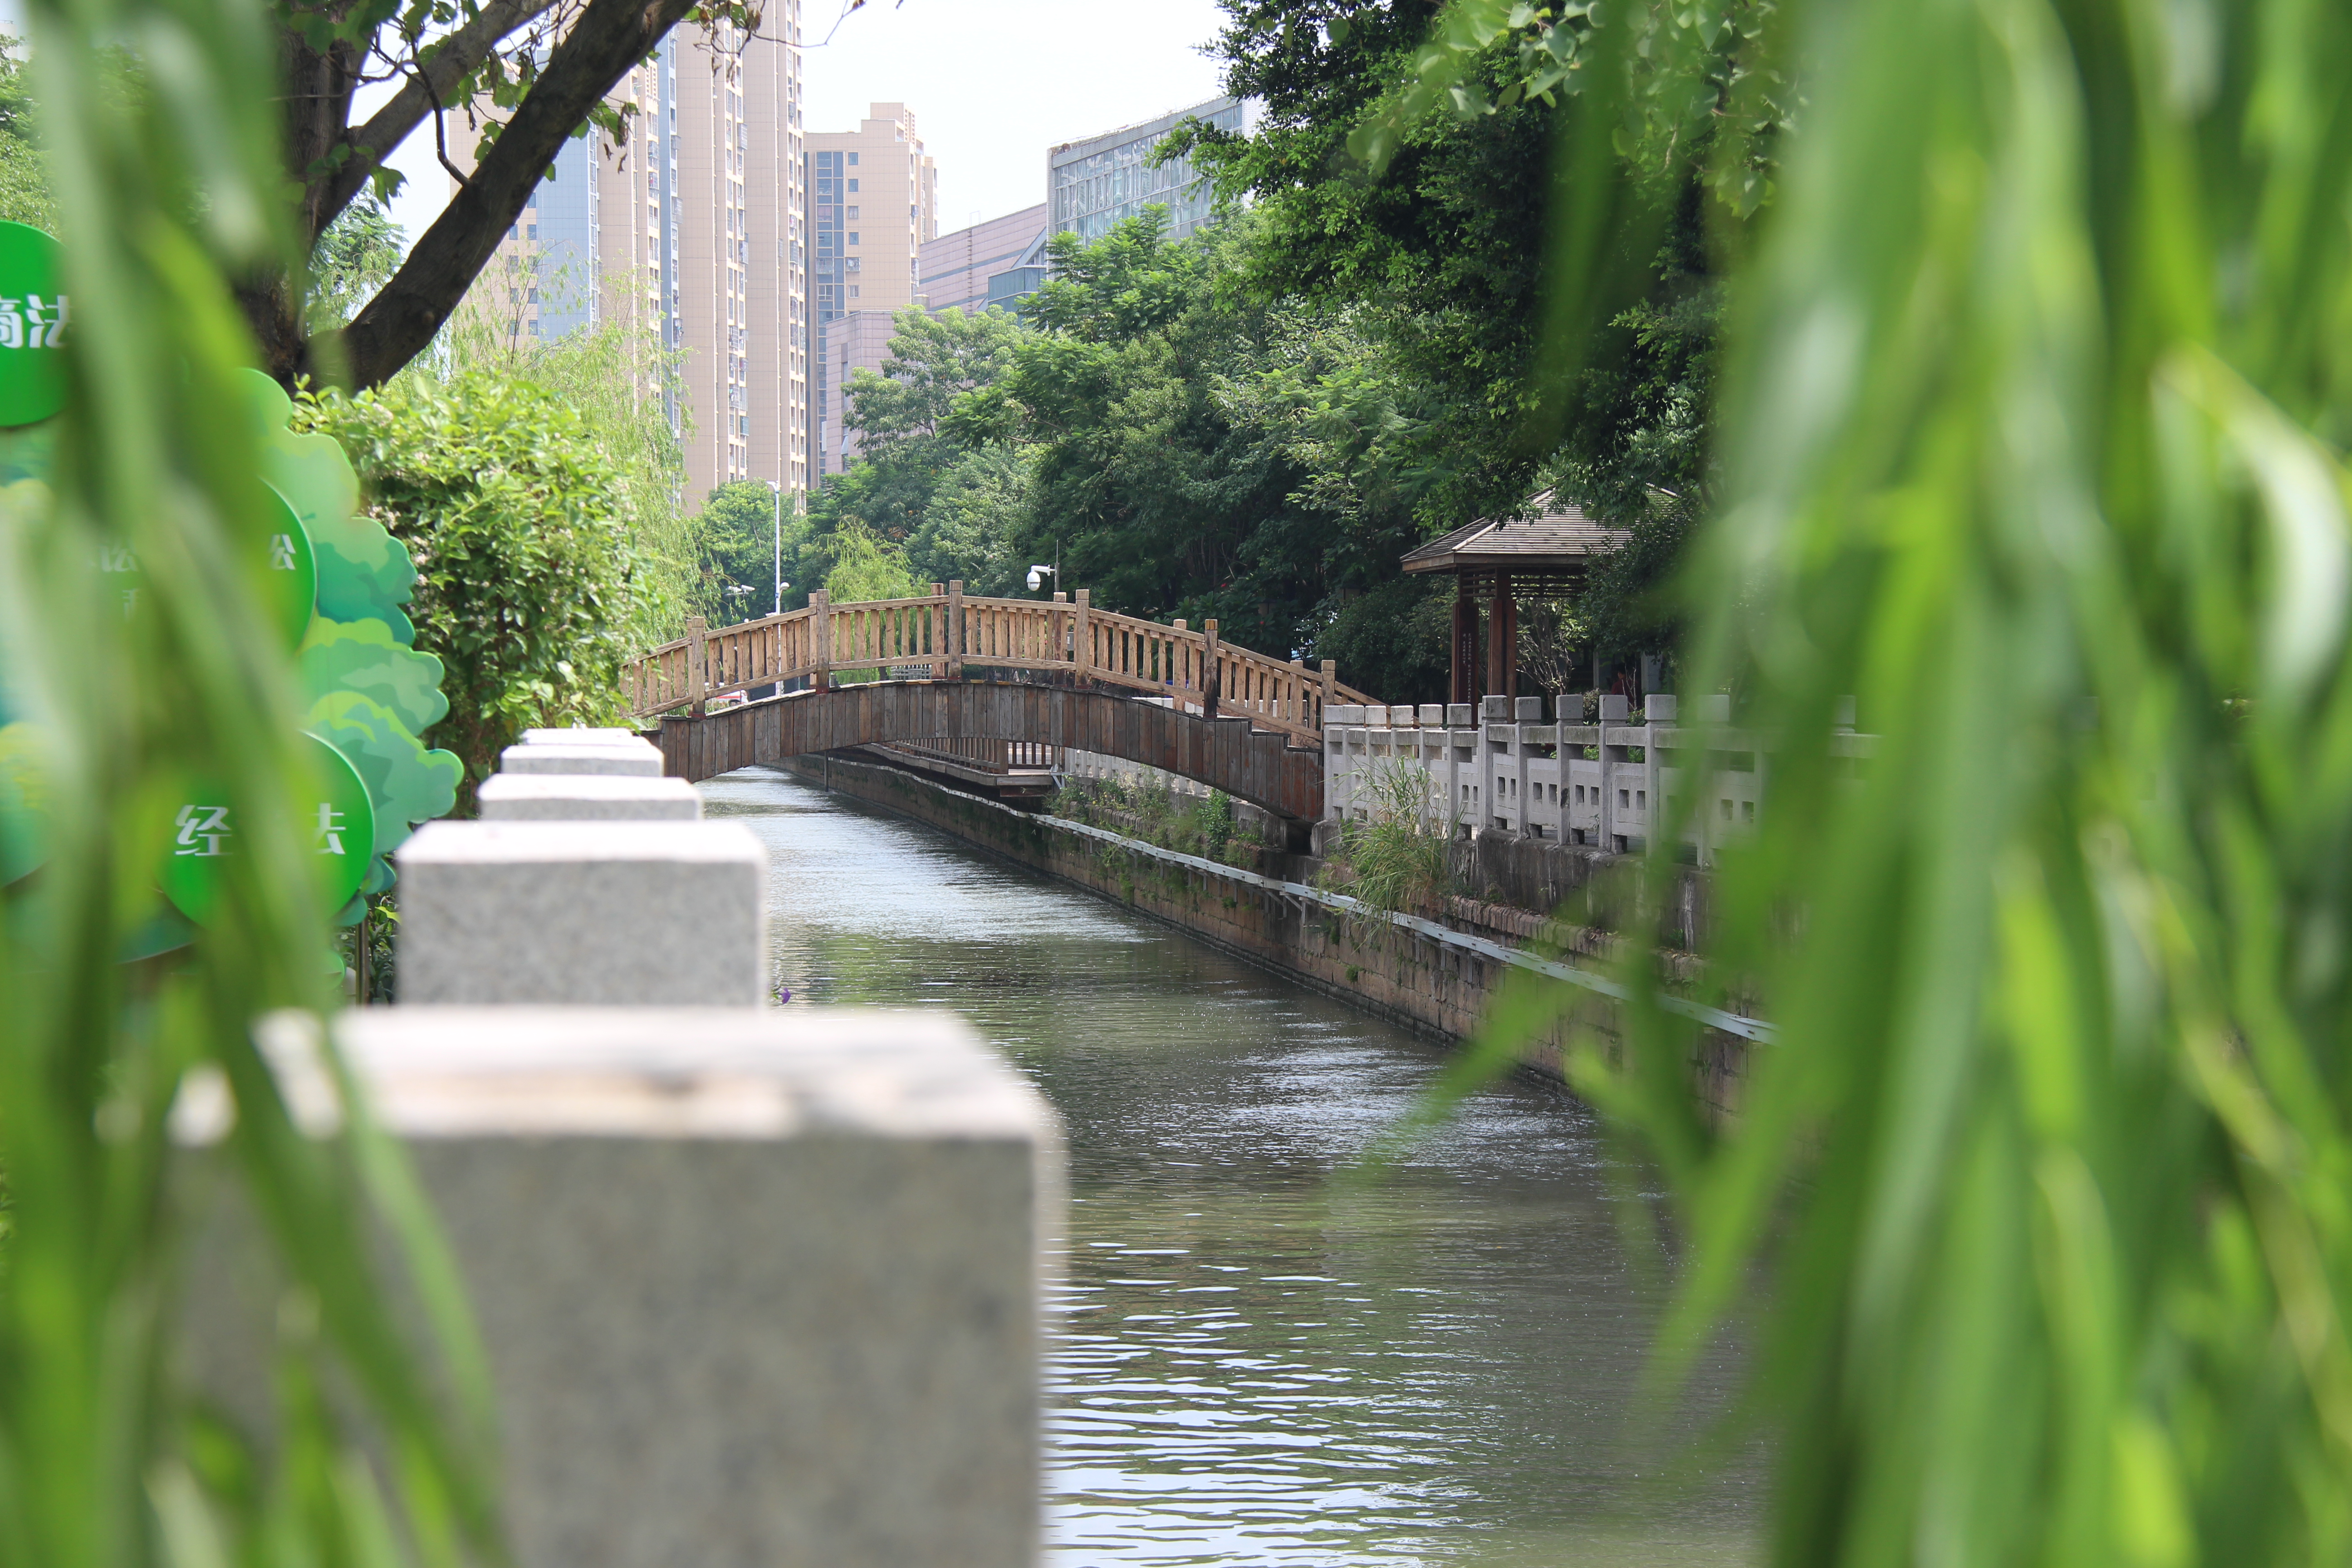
[[928, 675]]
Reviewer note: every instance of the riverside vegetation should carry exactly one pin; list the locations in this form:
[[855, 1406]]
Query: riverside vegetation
[[1159, 815]]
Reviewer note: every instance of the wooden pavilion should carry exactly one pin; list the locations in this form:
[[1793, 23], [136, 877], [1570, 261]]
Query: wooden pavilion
[[1497, 559]]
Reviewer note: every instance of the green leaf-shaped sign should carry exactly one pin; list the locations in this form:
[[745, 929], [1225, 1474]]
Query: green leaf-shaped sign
[[33, 317]]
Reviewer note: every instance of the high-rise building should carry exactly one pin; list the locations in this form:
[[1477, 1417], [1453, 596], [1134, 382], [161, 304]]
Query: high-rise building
[[963, 268], [1095, 184], [874, 201], [696, 229]]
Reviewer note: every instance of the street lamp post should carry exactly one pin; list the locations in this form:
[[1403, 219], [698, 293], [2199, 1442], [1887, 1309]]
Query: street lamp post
[[778, 487]]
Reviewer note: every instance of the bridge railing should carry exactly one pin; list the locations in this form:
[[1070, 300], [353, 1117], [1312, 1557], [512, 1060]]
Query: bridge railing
[[937, 635]]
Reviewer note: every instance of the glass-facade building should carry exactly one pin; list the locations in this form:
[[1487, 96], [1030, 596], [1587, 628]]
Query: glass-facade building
[[1094, 184], [828, 266]]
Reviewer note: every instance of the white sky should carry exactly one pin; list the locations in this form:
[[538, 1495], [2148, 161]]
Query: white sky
[[993, 84]]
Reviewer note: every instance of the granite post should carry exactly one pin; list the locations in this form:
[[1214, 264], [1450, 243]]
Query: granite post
[[756, 1287], [625, 913]]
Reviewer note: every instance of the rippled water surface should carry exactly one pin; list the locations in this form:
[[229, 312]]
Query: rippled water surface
[[1257, 1361]]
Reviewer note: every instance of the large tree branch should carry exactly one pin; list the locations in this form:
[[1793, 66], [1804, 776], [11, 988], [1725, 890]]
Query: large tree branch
[[606, 39], [441, 67]]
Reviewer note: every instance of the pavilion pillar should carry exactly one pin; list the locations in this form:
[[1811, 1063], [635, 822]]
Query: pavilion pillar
[[1502, 641], [1464, 674]]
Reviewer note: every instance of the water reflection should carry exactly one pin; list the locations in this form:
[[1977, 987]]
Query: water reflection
[[1257, 1364]]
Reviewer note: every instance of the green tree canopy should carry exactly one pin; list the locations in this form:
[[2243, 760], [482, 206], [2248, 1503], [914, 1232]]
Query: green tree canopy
[[517, 519], [1426, 208], [737, 537], [355, 256], [25, 195], [933, 360], [620, 384], [1199, 452], [951, 498]]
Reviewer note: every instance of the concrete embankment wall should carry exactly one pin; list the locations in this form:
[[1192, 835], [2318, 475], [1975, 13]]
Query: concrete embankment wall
[[1437, 987]]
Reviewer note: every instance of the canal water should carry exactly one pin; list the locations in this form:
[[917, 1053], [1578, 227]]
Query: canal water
[[1258, 1359]]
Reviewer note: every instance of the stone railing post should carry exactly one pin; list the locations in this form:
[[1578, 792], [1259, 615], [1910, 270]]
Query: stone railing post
[[1658, 715], [1527, 715], [1335, 770], [698, 679], [955, 629], [1460, 751], [1330, 690], [1082, 653], [1209, 680], [1614, 713], [645, 912], [821, 642], [1490, 794]]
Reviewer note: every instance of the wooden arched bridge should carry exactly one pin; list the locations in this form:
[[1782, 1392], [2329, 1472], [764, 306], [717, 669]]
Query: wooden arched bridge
[[1166, 696]]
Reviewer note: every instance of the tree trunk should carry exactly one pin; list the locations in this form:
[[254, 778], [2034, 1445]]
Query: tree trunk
[[332, 160]]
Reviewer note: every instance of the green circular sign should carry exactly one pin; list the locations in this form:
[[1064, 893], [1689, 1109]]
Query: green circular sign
[[286, 556], [337, 820], [34, 316], [293, 569]]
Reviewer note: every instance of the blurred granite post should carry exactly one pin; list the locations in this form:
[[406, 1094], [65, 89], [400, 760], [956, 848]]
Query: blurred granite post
[[757, 1288]]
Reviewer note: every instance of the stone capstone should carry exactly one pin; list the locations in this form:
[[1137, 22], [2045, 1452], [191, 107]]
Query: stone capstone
[[624, 913], [586, 797]]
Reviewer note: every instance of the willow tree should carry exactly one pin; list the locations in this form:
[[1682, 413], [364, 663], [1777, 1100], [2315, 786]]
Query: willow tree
[[163, 162], [2032, 441]]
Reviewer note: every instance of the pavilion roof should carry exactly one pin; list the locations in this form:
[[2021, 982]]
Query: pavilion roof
[[1559, 541]]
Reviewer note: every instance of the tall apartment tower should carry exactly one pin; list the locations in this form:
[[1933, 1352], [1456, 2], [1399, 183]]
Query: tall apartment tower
[[874, 200], [698, 232]]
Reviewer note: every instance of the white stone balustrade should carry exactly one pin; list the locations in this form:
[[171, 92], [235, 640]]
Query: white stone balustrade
[[755, 1285], [1602, 784]]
